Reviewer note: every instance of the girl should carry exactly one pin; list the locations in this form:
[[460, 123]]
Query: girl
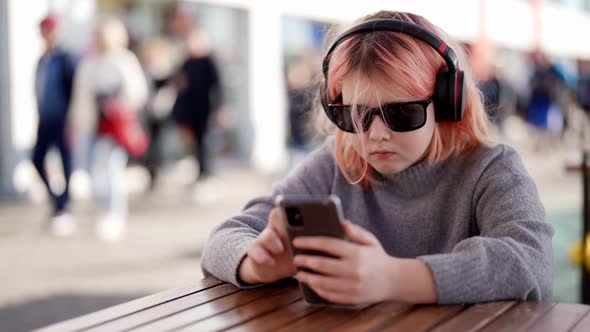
[[436, 214]]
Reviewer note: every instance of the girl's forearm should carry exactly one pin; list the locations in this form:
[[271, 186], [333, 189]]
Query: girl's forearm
[[413, 282]]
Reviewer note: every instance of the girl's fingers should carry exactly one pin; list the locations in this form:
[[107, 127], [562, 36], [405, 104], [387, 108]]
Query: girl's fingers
[[335, 297], [259, 255], [332, 289], [329, 245], [359, 234], [271, 241], [325, 283], [323, 265], [342, 298], [277, 223]]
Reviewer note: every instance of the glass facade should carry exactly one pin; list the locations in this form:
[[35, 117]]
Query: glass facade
[[227, 29]]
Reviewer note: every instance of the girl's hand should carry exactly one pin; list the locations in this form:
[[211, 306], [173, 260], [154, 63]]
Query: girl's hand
[[361, 273], [269, 258]]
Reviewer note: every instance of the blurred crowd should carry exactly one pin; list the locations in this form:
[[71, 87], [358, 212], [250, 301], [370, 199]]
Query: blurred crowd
[[554, 102], [109, 106]]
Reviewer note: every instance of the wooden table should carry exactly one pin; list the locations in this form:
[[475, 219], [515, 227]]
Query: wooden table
[[212, 305]]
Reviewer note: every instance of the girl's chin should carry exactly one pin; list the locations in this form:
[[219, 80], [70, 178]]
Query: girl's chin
[[386, 169], [390, 172]]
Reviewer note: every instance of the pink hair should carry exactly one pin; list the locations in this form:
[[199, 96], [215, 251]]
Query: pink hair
[[412, 64]]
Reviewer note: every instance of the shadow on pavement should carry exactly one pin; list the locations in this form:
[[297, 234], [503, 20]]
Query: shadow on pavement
[[42, 312]]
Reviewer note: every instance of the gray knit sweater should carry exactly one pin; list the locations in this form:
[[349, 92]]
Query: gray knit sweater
[[477, 222]]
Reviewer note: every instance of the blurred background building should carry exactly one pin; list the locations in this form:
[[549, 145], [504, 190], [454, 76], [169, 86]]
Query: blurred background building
[[268, 55], [255, 43]]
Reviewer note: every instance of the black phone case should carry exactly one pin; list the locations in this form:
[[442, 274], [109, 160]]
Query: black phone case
[[321, 217]]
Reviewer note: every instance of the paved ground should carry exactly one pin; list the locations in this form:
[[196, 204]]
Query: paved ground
[[45, 279]]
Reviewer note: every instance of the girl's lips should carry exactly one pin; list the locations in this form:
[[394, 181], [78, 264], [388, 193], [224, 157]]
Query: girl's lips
[[382, 154]]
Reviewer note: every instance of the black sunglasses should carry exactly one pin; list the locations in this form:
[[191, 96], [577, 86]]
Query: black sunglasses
[[401, 117]]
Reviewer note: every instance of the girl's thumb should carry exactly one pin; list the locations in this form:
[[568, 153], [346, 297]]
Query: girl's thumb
[[359, 234]]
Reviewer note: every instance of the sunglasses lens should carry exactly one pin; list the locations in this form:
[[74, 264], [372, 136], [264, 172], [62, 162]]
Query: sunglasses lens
[[341, 116], [406, 117], [398, 117]]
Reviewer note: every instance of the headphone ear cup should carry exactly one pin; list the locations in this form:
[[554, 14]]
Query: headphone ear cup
[[449, 97], [441, 95]]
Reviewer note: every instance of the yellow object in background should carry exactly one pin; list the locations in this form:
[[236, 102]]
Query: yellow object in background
[[575, 253]]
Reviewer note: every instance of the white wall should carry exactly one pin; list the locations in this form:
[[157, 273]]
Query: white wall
[[18, 57], [564, 32], [6, 149], [509, 22]]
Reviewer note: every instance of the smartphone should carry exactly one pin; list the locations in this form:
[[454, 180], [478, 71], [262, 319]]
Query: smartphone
[[311, 216]]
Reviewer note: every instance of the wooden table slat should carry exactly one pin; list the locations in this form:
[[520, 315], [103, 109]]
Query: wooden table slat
[[246, 312], [131, 307], [519, 317], [423, 318], [212, 308], [166, 309], [277, 318], [322, 320], [375, 316], [476, 317], [562, 317], [583, 325], [212, 305]]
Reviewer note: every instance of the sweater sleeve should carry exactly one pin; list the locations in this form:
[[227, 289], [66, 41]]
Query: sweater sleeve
[[228, 243], [512, 259]]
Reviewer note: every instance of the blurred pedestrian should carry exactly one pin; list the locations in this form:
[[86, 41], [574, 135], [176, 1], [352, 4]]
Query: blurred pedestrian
[[108, 83], [583, 86], [158, 63], [299, 83], [199, 95], [53, 89], [544, 110], [499, 98]]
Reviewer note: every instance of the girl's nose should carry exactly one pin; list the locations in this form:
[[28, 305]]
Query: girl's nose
[[378, 131]]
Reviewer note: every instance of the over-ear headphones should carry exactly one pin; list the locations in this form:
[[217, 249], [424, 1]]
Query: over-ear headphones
[[448, 97]]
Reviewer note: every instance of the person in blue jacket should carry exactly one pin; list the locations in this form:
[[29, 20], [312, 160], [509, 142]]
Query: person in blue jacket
[[53, 90]]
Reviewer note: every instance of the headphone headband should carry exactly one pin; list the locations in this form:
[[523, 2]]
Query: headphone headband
[[448, 96], [393, 25]]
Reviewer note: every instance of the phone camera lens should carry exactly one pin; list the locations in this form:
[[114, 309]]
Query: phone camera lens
[[294, 217]]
